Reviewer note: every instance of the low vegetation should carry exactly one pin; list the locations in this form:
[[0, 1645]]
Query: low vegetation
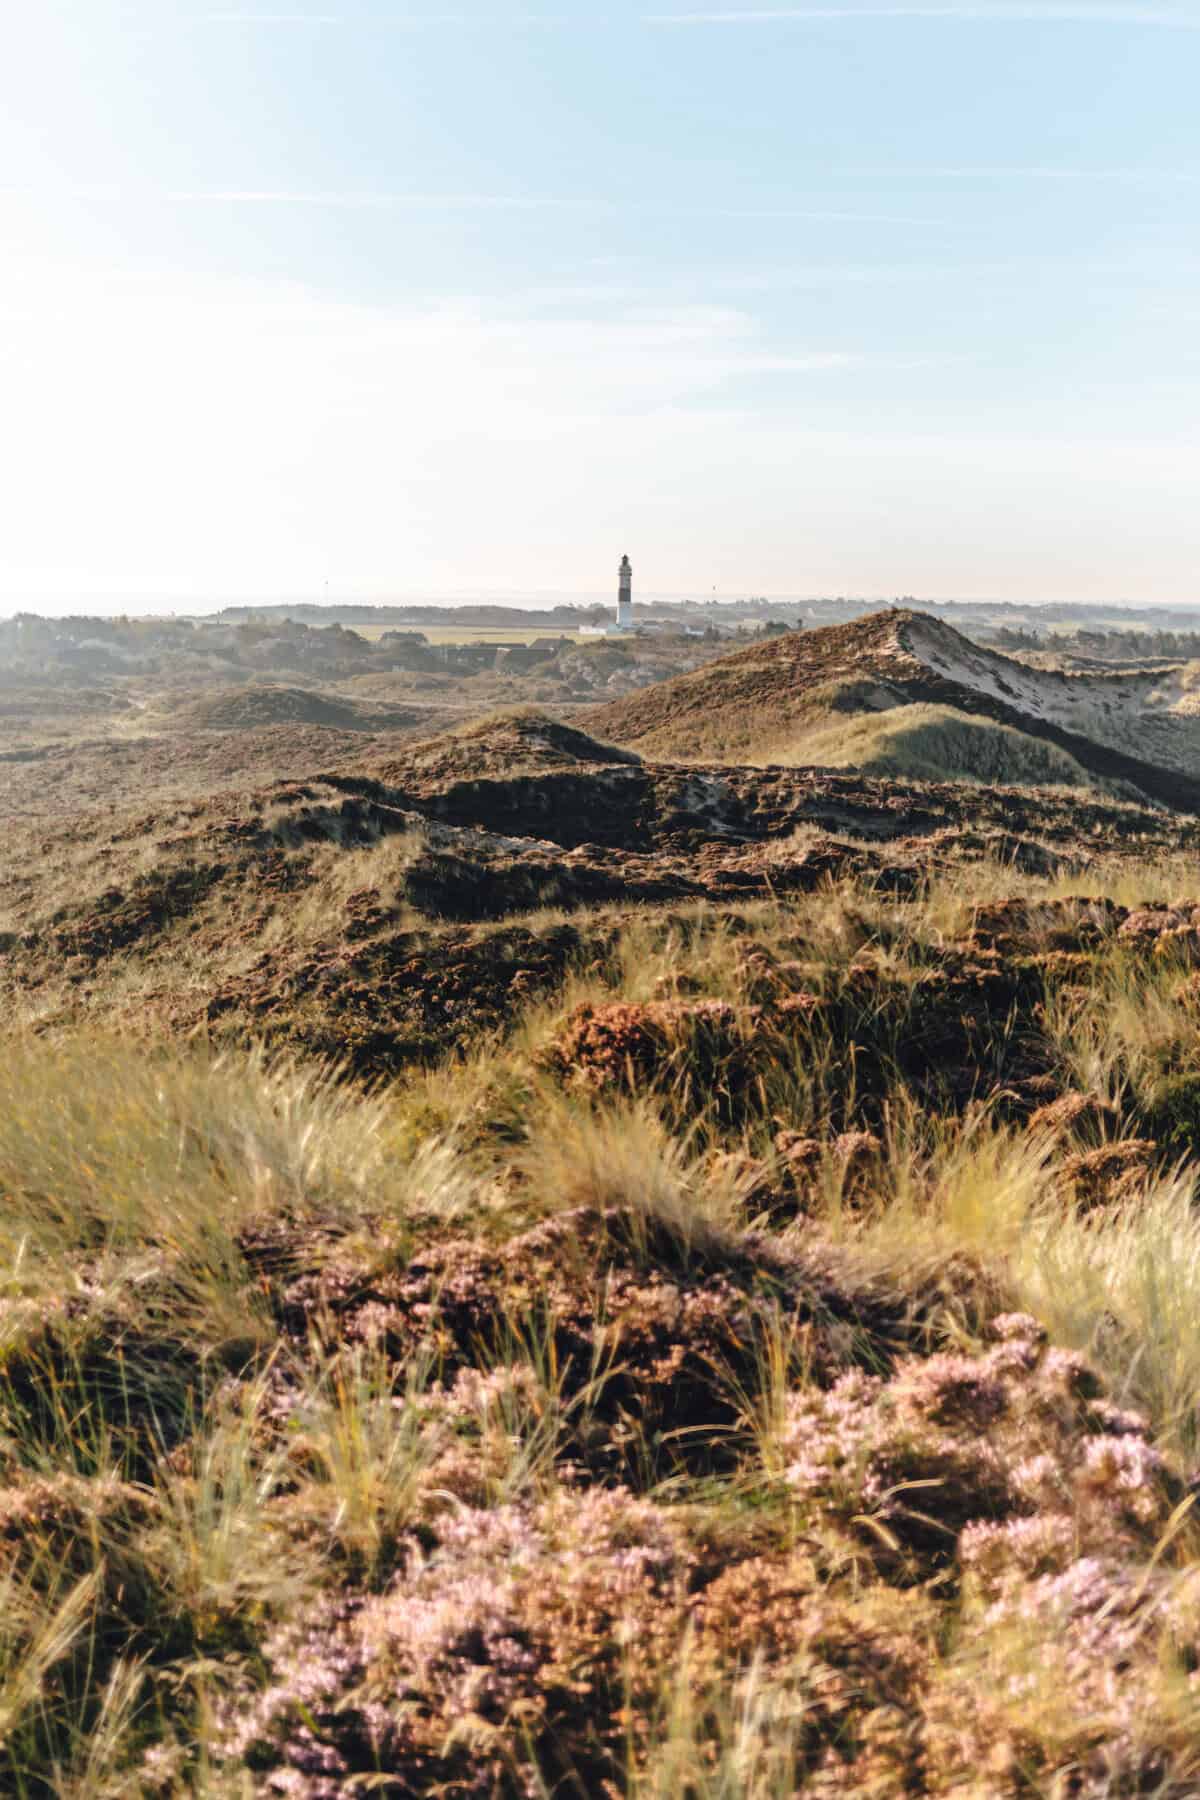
[[765, 1364], [775, 699], [531, 1271], [939, 743]]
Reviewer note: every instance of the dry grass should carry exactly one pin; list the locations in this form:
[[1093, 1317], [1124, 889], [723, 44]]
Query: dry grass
[[1119, 1287], [519, 1381], [935, 743]]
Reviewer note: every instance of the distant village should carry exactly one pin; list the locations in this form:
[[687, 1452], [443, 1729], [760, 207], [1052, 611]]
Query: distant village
[[589, 650]]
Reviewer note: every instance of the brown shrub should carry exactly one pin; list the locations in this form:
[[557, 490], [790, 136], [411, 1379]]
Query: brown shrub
[[621, 1044], [1108, 1175], [1084, 1116]]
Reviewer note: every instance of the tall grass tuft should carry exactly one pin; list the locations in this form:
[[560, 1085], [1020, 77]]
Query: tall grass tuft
[[624, 1158]]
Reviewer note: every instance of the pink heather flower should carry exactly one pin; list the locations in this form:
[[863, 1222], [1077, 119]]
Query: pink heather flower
[[825, 1432], [1117, 1420], [1007, 1326], [1068, 1371], [1039, 1479], [957, 1391], [1018, 1356], [1127, 1470], [1016, 1550]]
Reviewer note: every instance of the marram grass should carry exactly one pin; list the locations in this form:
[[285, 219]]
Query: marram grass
[[772, 1418]]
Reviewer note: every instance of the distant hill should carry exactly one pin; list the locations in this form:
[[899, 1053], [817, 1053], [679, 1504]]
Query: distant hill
[[484, 616], [519, 741], [792, 699], [250, 708]]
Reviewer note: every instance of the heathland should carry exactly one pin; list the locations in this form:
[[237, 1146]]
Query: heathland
[[640, 1251]]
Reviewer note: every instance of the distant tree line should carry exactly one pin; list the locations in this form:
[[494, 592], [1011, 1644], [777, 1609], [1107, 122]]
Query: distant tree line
[[1106, 646]]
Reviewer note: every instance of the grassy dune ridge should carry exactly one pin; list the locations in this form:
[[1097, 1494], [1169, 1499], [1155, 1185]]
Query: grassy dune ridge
[[703, 1388], [762, 702], [936, 743]]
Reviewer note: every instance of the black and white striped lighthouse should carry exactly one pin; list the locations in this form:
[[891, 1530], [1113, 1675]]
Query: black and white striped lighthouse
[[625, 595]]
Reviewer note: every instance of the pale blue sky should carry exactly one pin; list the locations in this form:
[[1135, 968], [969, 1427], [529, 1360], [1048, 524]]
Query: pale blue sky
[[852, 299]]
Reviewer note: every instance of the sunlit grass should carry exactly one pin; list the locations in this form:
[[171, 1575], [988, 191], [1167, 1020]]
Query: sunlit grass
[[271, 1354]]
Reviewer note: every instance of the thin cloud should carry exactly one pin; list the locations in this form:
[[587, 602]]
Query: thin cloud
[[356, 202], [516, 202], [401, 21], [244, 18], [1044, 14], [788, 212], [1169, 177]]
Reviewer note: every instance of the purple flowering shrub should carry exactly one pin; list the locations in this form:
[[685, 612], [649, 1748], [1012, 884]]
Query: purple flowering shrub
[[950, 1524], [952, 1452], [655, 1344], [511, 1479], [1011, 1477], [519, 1631]]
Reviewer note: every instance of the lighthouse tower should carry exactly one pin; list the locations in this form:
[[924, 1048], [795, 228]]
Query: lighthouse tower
[[625, 595]]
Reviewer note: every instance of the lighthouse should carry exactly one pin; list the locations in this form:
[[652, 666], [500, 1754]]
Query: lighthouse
[[625, 595], [624, 618]]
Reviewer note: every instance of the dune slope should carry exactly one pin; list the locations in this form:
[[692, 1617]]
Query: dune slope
[[758, 704]]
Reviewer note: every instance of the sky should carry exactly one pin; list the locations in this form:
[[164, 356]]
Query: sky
[[388, 300]]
